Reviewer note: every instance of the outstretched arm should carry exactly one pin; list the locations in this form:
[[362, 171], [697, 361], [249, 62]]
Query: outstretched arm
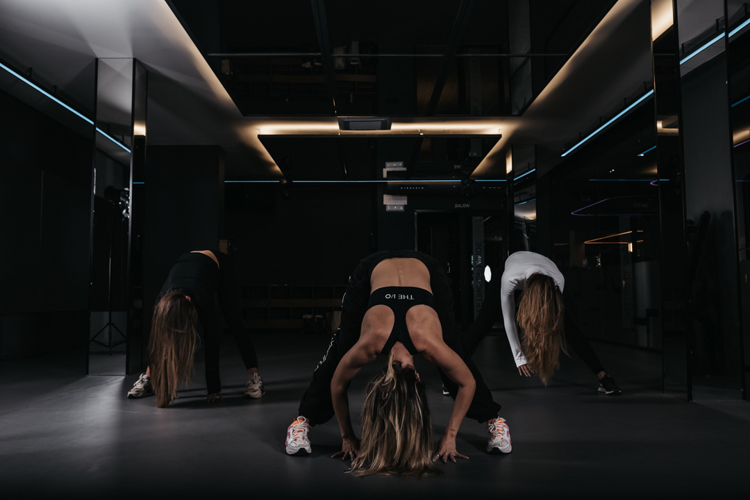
[[508, 305], [352, 362], [453, 366]]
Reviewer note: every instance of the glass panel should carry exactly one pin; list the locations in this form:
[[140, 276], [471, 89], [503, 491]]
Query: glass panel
[[738, 61], [108, 290]]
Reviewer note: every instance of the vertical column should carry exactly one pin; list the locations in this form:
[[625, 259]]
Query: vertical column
[[673, 234], [737, 14], [110, 209], [510, 216], [134, 360], [477, 263]]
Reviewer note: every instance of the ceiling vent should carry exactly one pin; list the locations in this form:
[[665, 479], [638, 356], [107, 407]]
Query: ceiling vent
[[365, 123]]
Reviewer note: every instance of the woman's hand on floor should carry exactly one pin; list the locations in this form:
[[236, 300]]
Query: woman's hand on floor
[[447, 450], [525, 370], [214, 397], [349, 448]]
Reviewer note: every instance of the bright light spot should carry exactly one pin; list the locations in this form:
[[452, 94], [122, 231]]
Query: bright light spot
[[487, 274]]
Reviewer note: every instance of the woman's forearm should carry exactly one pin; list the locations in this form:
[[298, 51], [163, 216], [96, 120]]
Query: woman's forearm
[[341, 408], [460, 407]]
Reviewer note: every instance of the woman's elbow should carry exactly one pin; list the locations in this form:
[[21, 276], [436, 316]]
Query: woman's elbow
[[469, 385]]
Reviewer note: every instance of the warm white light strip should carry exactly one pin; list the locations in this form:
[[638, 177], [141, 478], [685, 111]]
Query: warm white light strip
[[332, 128]]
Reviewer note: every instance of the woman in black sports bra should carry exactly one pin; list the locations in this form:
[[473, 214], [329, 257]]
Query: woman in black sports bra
[[398, 304]]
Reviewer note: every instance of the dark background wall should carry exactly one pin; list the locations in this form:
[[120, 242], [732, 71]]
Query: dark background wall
[[183, 210], [315, 237], [709, 187], [45, 202]]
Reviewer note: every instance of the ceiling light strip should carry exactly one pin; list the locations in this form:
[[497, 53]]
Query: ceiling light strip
[[525, 174], [648, 150], [612, 120], [594, 240], [318, 54], [704, 47], [627, 180], [58, 101], [118, 143], [384, 181], [525, 201], [739, 28], [741, 101], [378, 181]]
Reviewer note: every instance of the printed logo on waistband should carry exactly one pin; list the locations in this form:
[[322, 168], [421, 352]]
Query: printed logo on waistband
[[399, 296]]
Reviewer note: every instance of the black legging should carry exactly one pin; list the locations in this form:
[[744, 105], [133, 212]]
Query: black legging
[[491, 312], [208, 284]]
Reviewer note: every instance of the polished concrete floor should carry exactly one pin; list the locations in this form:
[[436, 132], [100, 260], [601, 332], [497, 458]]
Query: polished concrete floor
[[63, 435]]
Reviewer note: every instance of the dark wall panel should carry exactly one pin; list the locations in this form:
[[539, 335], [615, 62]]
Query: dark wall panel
[[709, 187], [44, 215], [316, 237], [20, 208]]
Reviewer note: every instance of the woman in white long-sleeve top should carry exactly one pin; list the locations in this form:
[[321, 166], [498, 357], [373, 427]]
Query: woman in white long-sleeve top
[[541, 317]]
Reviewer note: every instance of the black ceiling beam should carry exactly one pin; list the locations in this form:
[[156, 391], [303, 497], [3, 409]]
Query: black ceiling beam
[[456, 34], [459, 24], [321, 28]]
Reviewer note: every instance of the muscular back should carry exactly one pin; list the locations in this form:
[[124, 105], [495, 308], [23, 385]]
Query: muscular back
[[400, 272]]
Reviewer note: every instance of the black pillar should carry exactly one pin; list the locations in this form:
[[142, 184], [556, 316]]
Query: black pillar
[[673, 240]]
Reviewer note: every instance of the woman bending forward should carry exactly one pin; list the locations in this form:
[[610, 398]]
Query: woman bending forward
[[397, 304]]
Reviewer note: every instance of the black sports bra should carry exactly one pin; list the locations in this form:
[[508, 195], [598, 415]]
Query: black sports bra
[[400, 299]]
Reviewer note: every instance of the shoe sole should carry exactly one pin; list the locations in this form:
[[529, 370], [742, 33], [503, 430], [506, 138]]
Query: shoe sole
[[134, 396], [496, 450], [253, 396], [294, 451], [609, 393]]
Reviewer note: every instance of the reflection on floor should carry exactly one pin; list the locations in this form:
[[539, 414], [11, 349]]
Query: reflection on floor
[[65, 435]]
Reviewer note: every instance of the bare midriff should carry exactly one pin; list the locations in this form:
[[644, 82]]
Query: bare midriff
[[400, 272], [208, 253]]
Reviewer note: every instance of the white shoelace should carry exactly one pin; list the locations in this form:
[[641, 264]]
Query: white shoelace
[[298, 430], [141, 382], [498, 427]]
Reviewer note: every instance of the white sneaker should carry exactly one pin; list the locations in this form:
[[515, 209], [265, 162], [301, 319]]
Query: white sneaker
[[254, 387], [142, 388], [499, 436], [296, 436]]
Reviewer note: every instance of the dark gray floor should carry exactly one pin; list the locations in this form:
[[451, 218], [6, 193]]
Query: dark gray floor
[[67, 436]]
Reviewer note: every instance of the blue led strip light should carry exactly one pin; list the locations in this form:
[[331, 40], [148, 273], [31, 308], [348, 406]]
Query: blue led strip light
[[627, 180], [612, 120], [112, 139], [741, 101], [58, 101], [525, 174], [525, 201], [739, 28], [648, 150], [704, 47]]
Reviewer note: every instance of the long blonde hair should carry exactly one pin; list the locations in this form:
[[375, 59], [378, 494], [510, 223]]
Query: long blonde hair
[[540, 316], [396, 426], [172, 346]]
